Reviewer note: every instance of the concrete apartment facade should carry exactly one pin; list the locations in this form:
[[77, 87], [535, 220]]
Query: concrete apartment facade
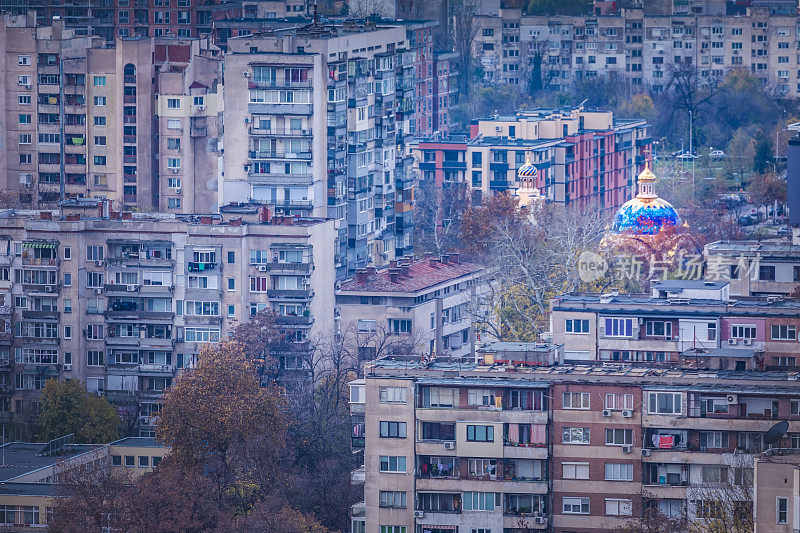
[[582, 448], [776, 504], [754, 268], [327, 110], [124, 304], [717, 332], [431, 301], [581, 157], [641, 46], [110, 113]]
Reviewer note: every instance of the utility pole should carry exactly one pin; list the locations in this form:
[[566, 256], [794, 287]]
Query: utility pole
[[691, 147], [62, 176]]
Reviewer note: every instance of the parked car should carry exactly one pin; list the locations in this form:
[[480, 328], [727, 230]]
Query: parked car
[[717, 154], [687, 155]]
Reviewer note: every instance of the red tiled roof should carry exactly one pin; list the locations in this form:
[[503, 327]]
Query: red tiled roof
[[197, 85], [421, 275]]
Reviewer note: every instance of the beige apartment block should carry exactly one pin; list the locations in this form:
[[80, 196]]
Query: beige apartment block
[[776, 483], [123, 303]]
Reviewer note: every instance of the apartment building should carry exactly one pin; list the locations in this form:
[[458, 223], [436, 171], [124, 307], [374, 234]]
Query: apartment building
[[583, 448], [740, 334], [640, 46], [431, 301], [754, 268], [104, 146], [327, 110], [189, 121], [775, 506], [582, 157], [123, 302]]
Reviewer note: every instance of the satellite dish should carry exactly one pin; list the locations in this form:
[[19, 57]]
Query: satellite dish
[[775, 433]]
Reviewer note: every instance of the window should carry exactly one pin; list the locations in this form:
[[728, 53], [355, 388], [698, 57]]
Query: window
[[393, 499], [665, 403], [784, 332], [570, 435], [94, 253], [618, 327], [116, 460], [24, 99], [480, 501], [576, 325], [438, 431], [658, 329], [615, 507], [173, 203], [24, 159], [23, 60], [393, 430], [201, 335], [619, 402], [173, 103], [766, 272], [24, 119], [99, 100], [99, 81], [439, 397], [713, 439], [575, 505], [144, 461], [480, 397], [100, 140], [399, 326], [99, 121], [576, 400], [68, 279], [394, 464], [743, 332], [482, 467], [575, 470], [715, 474], [94, 358], [480, 433], [392, 395], [619, 437], [619, 471], [781, 510], [100, 160], [393, 529], [25, 138], [24, 80]]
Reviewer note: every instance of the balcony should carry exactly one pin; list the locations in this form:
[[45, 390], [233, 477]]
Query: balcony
[[280, 109], [129, 139], [291, 294], [156, 369], [359, 475], [302, 268], [257, 154], [263, 132], [194, 266], [45, 262], [294, 320], [43, 315], [41, 288]]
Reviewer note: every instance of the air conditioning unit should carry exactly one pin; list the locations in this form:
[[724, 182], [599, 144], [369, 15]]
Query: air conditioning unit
[[48, 288], [732, 399], [747, 342], [201, 107], [178, 190], [419, 514], [174, 170], [449, 445], [733, 342], [98, 290], [98, 263], [246, 74], [498, 128], [247, 120], [539, 519], [627, 449], [131, 288], [646, 452], [28, 87], [262, 268], [627, 414], [606, 412], [67, 368]]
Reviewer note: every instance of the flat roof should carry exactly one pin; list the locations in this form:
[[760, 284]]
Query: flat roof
[[27, 489], [139, 442], [502, 346], [690, 284], [23, 457]]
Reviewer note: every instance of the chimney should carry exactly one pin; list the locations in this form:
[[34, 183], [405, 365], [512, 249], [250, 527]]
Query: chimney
[[264, 215], [394, 274], [445, 259], [361, 275], [434, 262], [393, 263], [405, 271], [45, 215], [113, 215], [127, 215], [455, 258], [73, 217], [235, 222], [371, 270]]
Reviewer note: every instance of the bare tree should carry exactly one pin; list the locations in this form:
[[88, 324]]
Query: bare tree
[[462, 16], [438, 212]]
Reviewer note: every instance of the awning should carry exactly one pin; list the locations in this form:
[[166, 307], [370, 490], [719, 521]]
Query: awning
[[39, 244]]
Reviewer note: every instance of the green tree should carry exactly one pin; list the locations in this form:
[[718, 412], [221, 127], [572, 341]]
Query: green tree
[[66, 407], [763, 155]]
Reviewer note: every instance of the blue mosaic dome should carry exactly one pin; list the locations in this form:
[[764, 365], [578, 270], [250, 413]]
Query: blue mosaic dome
[[647, 213]]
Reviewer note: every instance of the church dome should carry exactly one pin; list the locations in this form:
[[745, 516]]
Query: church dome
[[527, 170], [647, 213]]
